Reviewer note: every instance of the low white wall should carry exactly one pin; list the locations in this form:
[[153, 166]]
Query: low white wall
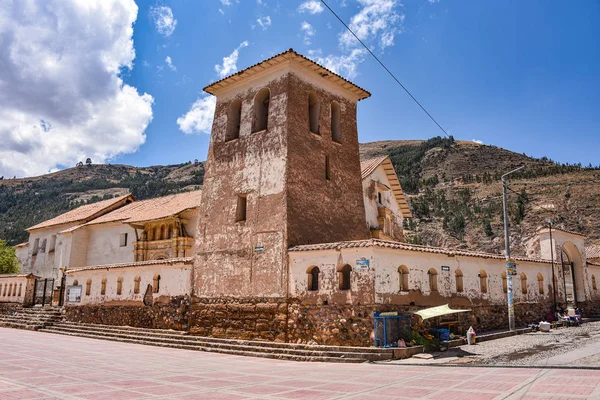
[[13, 289], [381, 282], [174, 281]]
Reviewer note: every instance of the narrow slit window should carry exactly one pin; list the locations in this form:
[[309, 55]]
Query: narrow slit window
[[336, 134], [403, 277], [313, 278], [344, 277], [119, 285], [234, 117], [314, 110], [433, 284], [459, 281], [240, 212], [261, 110], [123, 240], [103, 286], [327, 169], [88, 287], [52, 243], [483, 281]]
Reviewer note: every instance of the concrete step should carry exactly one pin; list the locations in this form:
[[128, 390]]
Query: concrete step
[[254, 343], [206, 343], [198, 347], [18, 325]]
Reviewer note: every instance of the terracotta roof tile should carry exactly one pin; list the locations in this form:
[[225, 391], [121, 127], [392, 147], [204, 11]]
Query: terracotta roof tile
[[84, 213], [368, 166], [592, 251], [554, 228], [284, 56], [171, 261], [152, 209], [407, 247]]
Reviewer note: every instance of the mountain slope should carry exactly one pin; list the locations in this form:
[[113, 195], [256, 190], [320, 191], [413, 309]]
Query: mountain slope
[[453, 187]]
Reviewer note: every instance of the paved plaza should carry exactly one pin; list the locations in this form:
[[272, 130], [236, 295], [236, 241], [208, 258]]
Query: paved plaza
[[35, 365]]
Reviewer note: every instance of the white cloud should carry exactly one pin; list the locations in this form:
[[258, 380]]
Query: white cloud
[[346, 65], [376, 21], [230, 62], [311, 7], [226, 2], [170, 63], [163, 19], [308, 31], [376, 24], [61, 97], [478, 141], [199, 118], [264, 22]]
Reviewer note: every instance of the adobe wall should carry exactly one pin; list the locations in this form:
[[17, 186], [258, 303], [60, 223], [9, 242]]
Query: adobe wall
[[320, 210], [253, 165]]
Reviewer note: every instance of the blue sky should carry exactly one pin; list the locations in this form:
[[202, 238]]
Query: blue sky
[[523, 75]]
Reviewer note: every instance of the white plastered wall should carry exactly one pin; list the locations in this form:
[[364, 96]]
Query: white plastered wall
[[174, 281], [104, 244], [388, 198]]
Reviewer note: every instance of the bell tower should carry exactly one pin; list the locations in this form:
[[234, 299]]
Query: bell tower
[[283, 169]]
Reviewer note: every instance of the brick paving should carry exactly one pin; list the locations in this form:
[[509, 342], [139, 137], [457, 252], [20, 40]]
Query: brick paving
[[35, 365]]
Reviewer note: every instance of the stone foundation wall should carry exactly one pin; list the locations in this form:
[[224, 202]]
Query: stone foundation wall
[[249, 318], [275, 319], [163, 313]]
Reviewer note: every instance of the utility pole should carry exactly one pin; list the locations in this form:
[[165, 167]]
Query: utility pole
[[549, 221], [510, 266]]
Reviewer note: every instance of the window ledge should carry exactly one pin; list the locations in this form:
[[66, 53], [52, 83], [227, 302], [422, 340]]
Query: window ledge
[[261, 131], [316, 133], [336, 142], [231, 140]]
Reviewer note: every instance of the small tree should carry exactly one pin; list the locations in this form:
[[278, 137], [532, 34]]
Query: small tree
[[88, 162], [9, 263]]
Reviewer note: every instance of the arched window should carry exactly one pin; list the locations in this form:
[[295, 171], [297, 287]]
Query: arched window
[[403, 278], [336, 134], [88, 287], [5, 285], [432, 279], [234, 117], [523, 283], [75, 282], [103, 287], [313, 278], [165, 233], [594, 282], [344, 277], [483, 281], [261, 110], [504, 283], [10, 289], [1, 289], [15, 289], [119, 285], [314, 112], [459, 280], [136, 284], [20, 287], [156, 282], [540, 279]]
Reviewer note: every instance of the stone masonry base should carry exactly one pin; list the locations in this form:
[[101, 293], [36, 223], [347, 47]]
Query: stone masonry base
[[275, 319]]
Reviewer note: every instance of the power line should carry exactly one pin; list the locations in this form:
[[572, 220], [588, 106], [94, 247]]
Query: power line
[[386, 68]]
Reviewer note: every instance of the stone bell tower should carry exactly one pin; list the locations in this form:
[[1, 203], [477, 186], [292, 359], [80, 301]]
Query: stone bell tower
[[283, 169]]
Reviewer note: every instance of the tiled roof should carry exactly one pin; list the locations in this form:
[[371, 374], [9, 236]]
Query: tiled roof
[[283, 57], [84, 213], [592, 251], [408, 247], [171, 261], [367, 167], [18, 276], [595, 264], [554, 228], [152, 209]]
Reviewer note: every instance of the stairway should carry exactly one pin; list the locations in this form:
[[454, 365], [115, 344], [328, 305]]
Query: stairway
[[33, 318], [181, 340]]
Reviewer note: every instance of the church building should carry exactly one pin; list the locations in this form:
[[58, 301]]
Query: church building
[[292, 238]]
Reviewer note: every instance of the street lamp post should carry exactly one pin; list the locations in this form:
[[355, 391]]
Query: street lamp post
[[549, 221], [509, 265]]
